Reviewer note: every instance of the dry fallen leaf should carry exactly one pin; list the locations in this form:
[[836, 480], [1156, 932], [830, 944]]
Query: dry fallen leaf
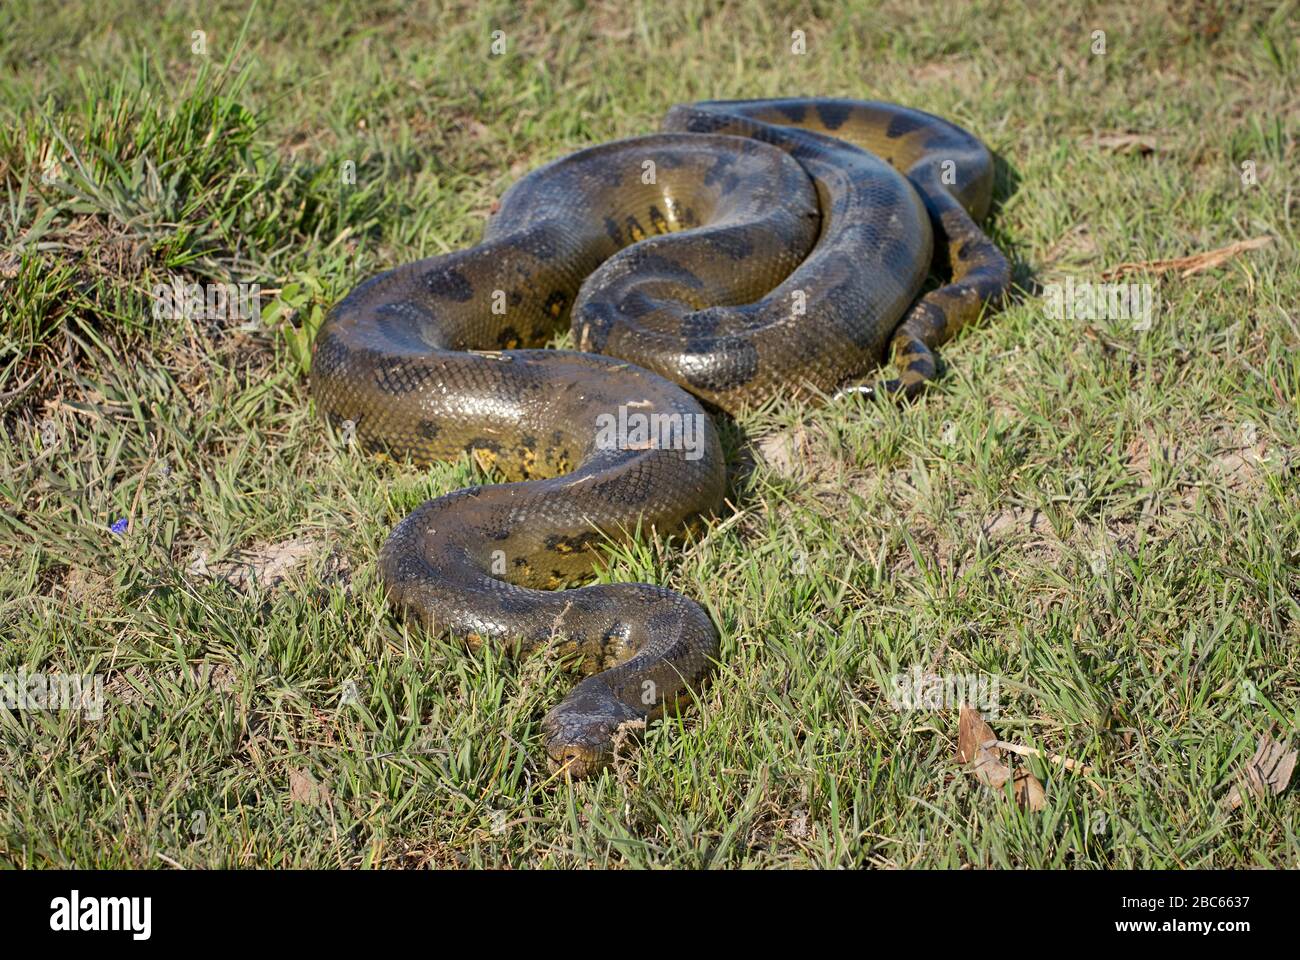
[[1268, 770], [1029, 792], [974, 737], [976, 748], [303, 788], [1189, 265], [972, 734], [266, 566]]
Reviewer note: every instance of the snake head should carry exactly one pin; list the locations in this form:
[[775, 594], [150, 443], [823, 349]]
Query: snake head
[[580, 732]]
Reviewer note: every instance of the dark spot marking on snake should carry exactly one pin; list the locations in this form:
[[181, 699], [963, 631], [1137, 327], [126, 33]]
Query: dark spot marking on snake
[[732, 243], [658, 219], [702, 324], [637, 304], [794, 112], [508, 338], [720, 364], [447, 282], [661, 267], [720, 170], [852, 324], [902, 123], [558, 543], [515, 604], [928, 316], [832, 114], [555, 303], [428, 429], [705, 123], [594, 325], [613, 232]]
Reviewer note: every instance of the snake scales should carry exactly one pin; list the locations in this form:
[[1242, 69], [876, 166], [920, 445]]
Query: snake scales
[[751, 249]]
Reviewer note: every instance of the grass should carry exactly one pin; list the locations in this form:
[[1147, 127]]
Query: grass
[[1102, 519]]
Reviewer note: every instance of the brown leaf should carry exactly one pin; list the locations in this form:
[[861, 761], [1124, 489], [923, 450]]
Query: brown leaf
[[303, 788], [1189, 265], [1030, 794], [972, 731], [266, 566], [974, 738], [1268, 770], [976, 748]]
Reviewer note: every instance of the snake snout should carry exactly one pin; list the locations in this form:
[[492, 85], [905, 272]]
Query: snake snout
[[577, 753], [576, 761], [579, 733]]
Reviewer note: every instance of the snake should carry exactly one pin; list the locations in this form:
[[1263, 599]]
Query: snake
[[749, 250]]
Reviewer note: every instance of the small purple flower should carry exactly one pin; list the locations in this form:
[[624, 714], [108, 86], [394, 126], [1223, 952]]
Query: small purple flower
[[119, 526]]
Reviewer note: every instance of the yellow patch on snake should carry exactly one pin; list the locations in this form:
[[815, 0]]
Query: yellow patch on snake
[[529, 459]]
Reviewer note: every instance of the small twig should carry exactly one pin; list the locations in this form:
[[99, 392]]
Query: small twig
[[144, 478], [1189, 265], [1020, 751]]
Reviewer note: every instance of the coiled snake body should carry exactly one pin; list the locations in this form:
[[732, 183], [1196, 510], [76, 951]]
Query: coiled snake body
[[752, 249]]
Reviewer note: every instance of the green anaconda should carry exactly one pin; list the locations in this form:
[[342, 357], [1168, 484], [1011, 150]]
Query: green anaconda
[[752, 249]]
